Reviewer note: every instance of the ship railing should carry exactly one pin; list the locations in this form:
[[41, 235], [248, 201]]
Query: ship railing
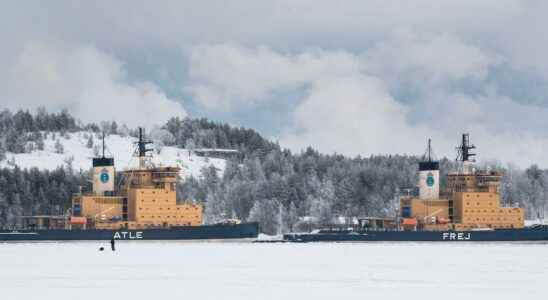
[[379, 229], [339, 229]]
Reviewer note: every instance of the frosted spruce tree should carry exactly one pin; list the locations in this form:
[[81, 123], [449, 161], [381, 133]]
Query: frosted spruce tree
[[59, 149], [320, 205], [89, 143], [266, 212]]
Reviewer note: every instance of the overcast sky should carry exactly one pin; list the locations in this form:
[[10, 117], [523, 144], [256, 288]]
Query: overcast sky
[[352, 77]]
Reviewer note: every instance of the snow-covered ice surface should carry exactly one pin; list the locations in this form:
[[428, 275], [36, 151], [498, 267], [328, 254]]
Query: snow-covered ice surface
[[208, 270], [119, 147]]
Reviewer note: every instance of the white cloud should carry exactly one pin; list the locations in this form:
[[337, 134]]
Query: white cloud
[[88, 82], [225, 76], [348, 105], [353, 116]]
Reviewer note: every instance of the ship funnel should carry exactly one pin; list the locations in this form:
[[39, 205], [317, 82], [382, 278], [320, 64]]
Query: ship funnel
[[429, 175], [103, 174]]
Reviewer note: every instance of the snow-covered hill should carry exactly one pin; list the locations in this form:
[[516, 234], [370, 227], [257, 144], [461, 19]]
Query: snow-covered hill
[[76, 151]]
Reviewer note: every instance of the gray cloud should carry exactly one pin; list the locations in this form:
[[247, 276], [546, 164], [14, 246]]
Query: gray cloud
[[359, 78]]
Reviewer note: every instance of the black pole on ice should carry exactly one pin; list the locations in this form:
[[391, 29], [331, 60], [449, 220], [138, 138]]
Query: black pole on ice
[[112, 246]]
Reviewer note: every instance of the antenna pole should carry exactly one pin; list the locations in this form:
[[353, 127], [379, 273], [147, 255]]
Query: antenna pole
[[430, 150], [103, 144]]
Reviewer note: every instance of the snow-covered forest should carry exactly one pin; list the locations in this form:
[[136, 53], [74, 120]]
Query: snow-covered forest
[[264, 182]]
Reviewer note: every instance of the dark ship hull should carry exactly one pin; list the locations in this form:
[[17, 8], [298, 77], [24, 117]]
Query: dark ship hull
[[500, 235], [204, 232]]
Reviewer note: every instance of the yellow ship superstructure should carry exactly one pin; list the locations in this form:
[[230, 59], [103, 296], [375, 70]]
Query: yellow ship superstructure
[[470, 200], [146, 198]]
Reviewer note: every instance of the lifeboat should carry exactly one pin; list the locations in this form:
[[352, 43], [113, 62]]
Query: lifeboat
[[78, 220]]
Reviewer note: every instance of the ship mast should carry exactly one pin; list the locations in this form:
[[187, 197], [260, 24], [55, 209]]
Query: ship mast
[[103, 140], [464, 153], [428, 155], [142, 148]]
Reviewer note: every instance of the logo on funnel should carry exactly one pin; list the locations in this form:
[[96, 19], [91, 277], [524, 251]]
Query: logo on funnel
[[104, 176], [430, 179]]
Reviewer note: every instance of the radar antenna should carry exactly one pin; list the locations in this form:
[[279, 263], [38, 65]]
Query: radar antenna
[[464, 153]]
